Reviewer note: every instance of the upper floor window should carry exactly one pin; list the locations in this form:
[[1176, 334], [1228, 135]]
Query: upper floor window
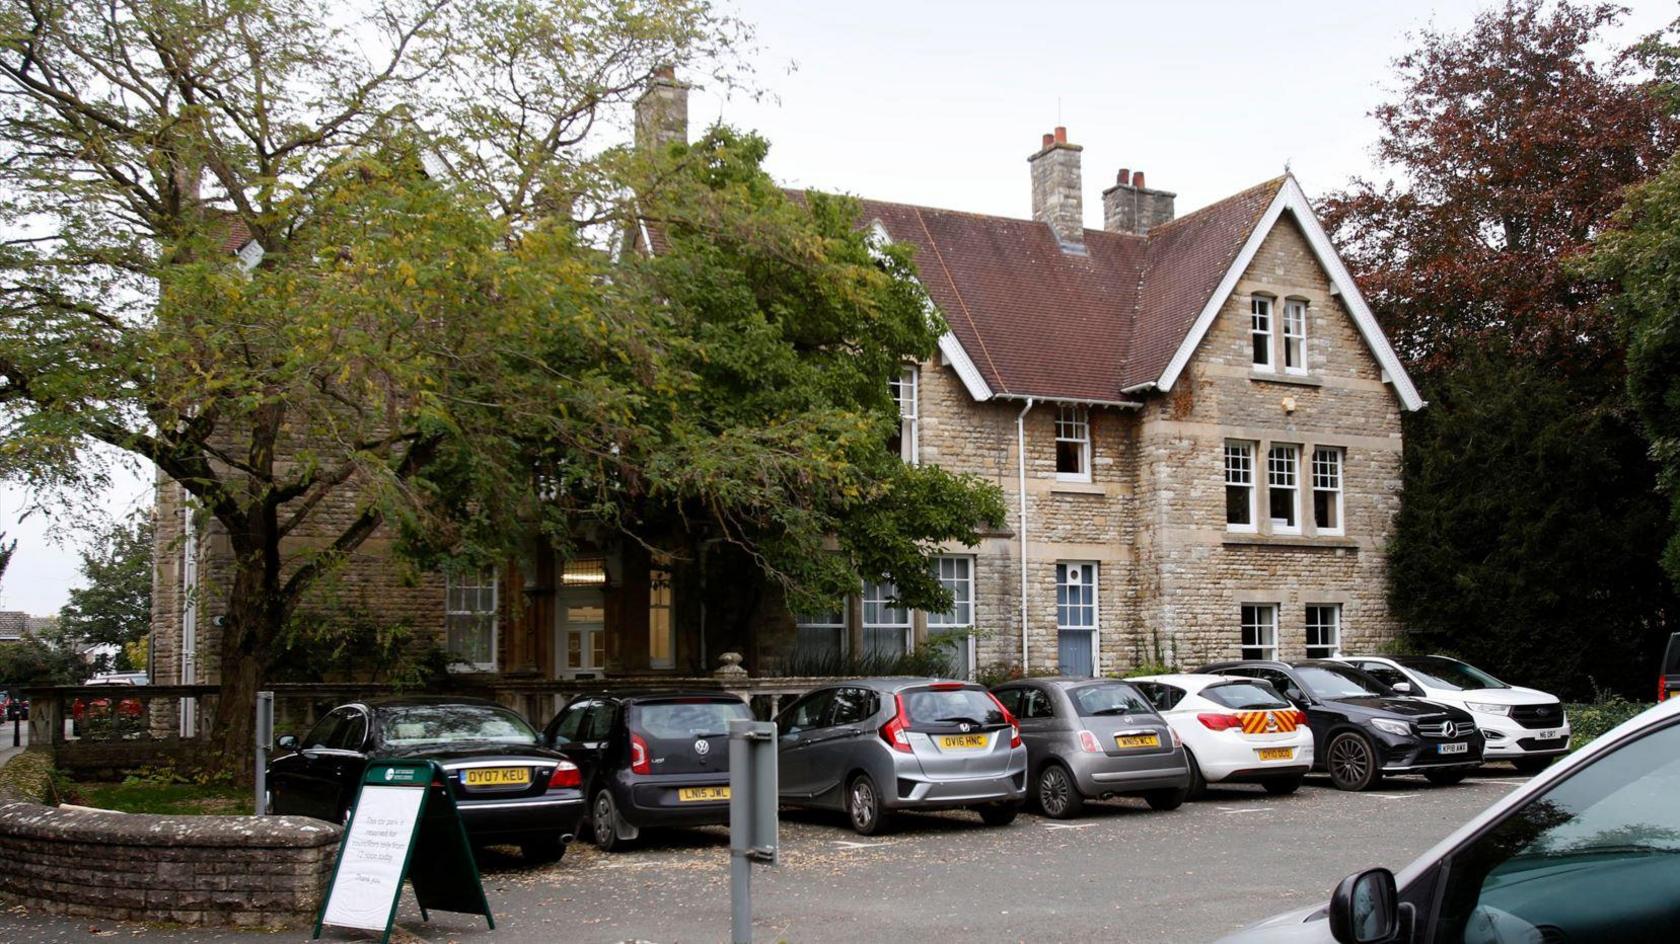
[[1327, 490], [1260, 331], [955, 574], [1283, 490], [469, 618], [905, 393], [1259, 631], [1239, 486], [1073, 444], [1295, 337]]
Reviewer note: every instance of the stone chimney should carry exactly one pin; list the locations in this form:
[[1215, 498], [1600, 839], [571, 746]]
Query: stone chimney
[[1056, 197], [1130, 207], [662, 111]]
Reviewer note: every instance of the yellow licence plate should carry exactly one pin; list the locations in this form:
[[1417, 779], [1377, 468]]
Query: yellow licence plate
[[1138, 740], [1276, 753], [963, 742], [496, 776], [702, 794]]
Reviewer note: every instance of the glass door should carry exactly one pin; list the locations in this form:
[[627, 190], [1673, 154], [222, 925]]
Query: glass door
[[580, 643]]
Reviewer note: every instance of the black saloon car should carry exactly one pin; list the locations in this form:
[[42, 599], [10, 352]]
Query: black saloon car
[[649, 759], [508, 787], [1362, 730]]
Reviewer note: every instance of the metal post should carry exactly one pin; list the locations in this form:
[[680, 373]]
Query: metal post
[[264, 738], [753, 799], [17, 724]]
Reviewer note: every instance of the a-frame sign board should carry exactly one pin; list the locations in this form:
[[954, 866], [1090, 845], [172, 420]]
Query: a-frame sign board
[[401, 827]]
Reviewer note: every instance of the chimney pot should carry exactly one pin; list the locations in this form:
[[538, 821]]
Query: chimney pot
[[1137, 180], [1130, 207], [1049, 139], [1061, 134], [1124, 177]]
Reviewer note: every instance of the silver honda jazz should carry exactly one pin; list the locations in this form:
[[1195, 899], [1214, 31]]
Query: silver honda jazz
[[873, 746]]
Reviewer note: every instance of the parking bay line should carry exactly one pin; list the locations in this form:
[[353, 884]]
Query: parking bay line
[[1068, 825], [1243, 809]]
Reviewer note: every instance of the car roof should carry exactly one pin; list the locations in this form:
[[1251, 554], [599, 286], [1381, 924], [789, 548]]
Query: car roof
[[1211, 667], [419, 701], [1061, 681], [638, 695], [1189, 680]]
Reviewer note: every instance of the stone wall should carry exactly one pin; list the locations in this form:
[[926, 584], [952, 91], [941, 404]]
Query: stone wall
[[244, 871]]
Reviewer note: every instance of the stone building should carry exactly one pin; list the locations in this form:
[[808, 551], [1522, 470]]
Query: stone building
[[1195, 421]]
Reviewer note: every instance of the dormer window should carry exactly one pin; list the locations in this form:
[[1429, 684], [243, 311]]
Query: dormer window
[[1295, 336], [1260, 331], [1073, 444]]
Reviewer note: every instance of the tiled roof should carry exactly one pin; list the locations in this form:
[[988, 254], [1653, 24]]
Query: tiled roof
[[12, 624]]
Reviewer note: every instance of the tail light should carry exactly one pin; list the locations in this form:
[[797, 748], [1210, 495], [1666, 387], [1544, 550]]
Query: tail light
[[1214, 721], [1178, 742], [896, 732], [639, 762], [1009, 719], [1662, 688], [566, 775], [1299, 717], [948, 686], [1088, 743]]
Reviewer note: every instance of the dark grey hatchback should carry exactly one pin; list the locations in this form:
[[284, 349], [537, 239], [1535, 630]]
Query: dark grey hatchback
[[1095, 739]]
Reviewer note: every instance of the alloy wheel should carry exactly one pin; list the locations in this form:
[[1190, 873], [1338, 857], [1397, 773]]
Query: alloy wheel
[[863, 804], [1350, 762], [1053, 791]]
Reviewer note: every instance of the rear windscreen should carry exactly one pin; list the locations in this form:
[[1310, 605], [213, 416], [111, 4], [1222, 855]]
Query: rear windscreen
[[1673, 655], [1244, 696], [1109, 698], [952, 707], [688, 719]]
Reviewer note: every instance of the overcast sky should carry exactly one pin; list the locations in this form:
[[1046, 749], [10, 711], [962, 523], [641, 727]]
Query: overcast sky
[[940, 103]]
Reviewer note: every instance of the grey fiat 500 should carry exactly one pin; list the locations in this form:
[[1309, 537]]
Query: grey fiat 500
[[873, 746], [1095, 739]]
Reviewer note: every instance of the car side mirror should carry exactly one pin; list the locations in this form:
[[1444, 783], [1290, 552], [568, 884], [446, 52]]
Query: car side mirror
[[1296, 695], [1365, 908], [1404, 688], [287, 742]]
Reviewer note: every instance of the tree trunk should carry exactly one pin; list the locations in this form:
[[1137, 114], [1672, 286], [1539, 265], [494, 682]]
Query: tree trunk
[[255, 616]]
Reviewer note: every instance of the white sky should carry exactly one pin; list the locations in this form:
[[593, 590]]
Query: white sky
[[940, 103]]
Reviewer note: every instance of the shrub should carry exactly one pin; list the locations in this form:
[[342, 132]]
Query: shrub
[[1588, 720]]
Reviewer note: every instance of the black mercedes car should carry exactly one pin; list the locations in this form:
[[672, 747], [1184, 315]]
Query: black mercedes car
[[1362, 730], [508, 787], [649, 759]]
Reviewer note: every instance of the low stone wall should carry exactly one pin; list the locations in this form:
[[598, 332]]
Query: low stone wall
[[246, 871]]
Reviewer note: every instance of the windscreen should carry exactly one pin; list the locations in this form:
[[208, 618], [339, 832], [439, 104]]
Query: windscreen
[[1109, 698], [1673, 662], [1450, 674], [688, 719], [953, 706], [1326, 682], [449, 726], [1244, 696]]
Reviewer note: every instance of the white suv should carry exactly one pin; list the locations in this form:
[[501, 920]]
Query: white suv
[[1522, 725]]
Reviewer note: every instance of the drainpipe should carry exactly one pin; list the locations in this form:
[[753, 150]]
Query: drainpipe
[[1021, 459]]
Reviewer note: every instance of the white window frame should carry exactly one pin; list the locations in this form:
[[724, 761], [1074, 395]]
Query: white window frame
[[877, 594], [906, 392], [1262, 619], [955, 572], [453, 581], [1260, 313], [1328, 464], [1294, 336], [1329, 646], [1073, 425], [1284, 475], [824, 621], [661, 601], [1235, 478], [1092, 576]]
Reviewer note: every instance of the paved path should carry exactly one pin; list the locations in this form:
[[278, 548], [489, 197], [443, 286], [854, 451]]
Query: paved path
[[7, 751], [1122, 874]]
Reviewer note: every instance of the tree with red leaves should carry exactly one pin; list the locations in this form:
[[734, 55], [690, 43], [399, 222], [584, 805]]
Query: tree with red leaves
[[1513, 146]]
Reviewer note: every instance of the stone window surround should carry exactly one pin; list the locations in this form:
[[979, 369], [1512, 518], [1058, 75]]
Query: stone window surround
[[1073, 425], [1290, 617], [1262, 531], [1279, 299]]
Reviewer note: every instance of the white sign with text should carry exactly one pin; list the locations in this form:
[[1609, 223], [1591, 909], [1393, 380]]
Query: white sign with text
[[370, 870]]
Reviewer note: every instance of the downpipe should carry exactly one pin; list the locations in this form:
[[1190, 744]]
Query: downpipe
[[1021, 461]]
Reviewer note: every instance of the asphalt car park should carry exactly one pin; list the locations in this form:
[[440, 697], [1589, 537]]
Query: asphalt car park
[[1120, 873]]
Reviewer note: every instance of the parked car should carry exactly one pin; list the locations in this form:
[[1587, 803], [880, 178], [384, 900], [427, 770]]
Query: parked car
[[15, 706], [1363, 731], [1094, 739], [870, 747], [649, 759], [1234, 730], [508, 787], [1587, 852], [1522, 725], [122, 720], [1668, 681]]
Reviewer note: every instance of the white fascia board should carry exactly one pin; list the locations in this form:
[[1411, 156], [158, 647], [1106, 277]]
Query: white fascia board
[[1292, 198], [949, 346]]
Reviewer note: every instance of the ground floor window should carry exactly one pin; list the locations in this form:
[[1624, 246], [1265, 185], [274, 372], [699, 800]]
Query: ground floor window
[[1324, 630], [1076, 617], [886, 626], [470, 617], [956, 574], [821, 638], [1259, 631], [662, 631]]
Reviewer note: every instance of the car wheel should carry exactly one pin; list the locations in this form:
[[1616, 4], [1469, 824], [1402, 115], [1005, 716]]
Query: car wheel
[[1352, 762], [1165, 800], [999, 814], [542, 849], [1058, 795], [863, 806], [603, 820], [1446, 778], [1281, 786], [1198, 783], [1532, 765]]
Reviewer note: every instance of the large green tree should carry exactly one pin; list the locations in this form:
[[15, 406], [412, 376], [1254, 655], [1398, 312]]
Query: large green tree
[[113, 607]]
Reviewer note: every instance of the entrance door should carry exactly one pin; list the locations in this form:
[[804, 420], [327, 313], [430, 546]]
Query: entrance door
[[580, 637]]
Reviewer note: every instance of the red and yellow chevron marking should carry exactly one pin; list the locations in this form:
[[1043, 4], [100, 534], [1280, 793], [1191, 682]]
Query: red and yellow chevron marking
[[1267, 722]]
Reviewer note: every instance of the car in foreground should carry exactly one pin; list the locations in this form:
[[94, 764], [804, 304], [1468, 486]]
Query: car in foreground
[[1668, 679], [1522, 725], [1363, 731], [1094, 739], [1234, 730], [650, 759], [871, 747], [508, 787], [1587, 852]]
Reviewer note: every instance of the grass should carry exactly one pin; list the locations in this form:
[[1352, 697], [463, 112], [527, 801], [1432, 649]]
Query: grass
[[140, 796]]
